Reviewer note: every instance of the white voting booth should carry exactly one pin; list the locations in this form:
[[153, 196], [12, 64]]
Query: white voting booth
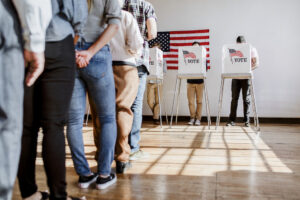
[[156, 63], [191, 65], [236, 64]]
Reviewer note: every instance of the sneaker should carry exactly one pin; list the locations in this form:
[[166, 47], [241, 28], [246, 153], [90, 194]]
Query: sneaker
[[122, 167], [191, 122], [231, 123], [138, 155], [45, 195], [85, 181], [247, 124], [103, 183], [197, 122]]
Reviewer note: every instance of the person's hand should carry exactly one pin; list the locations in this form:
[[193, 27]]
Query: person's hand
[[35, 63], [83, 58]]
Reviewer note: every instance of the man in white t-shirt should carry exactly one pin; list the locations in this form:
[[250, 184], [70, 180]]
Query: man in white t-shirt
[[242, 84]]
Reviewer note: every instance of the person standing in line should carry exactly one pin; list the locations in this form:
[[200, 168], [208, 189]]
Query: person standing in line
[[195, 88], [12, 55], [144, 13], [152, 93], [46, 103], [242, 84], [94, 75], [126, 45]]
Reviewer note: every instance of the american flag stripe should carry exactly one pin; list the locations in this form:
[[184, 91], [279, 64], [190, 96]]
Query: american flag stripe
[[171, 41]]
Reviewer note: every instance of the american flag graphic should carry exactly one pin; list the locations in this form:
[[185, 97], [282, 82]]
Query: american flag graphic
[[187, 54], [234, 52], [171, 41]]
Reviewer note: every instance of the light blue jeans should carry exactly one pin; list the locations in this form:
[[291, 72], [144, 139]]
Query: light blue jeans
[[137, 109], [98, 81]]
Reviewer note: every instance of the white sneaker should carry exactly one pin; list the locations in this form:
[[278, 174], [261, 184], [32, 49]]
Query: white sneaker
[[191, 122], [197, 122]]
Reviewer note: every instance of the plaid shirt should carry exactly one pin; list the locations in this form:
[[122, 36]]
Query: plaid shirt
[[142, 11]]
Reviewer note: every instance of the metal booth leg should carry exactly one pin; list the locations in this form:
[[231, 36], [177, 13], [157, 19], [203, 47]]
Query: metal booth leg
[[177, 105], [207, 104], [172, 111], [220, 102], [160, 118], [166, 113], [256, 121]]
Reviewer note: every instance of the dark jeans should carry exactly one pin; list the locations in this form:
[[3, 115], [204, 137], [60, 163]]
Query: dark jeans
[[46, 105], [11, 97], [236, 86]]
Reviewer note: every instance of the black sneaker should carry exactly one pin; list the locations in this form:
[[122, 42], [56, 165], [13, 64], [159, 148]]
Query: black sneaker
[[156, 121], [85, 181], [122, 167], [45, 195], [103, 183], [231, 123], [247, 124]]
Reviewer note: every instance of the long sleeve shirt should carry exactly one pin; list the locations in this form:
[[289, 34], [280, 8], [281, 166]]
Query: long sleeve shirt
[[101, 13], [69, 17], [127, 44], [35, 16]]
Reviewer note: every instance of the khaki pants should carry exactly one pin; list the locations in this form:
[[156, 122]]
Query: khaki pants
[[192, 91], [152, 98], [126, 83]]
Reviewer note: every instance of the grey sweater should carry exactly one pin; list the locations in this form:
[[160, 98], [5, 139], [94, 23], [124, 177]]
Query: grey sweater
[[101, 13], [69, 17]]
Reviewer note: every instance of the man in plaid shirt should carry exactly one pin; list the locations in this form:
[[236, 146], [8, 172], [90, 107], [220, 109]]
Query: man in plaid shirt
[[144, 13]]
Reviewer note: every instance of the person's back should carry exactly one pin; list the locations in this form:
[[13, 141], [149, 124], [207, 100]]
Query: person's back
[[127, 44]]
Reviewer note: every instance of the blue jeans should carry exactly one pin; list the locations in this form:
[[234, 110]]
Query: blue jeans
[[137, 109], [97, 79]]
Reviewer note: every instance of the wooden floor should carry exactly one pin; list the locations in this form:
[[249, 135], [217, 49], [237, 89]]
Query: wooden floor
[[189, 162]]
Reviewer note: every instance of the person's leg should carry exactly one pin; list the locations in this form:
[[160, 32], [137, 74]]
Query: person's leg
[[191, 90], [235, 92], [199, 97], [126, 83], [156, 110], [98, 76], [75, 124], [246, 99], [137, 108], [11, 97], [26, 172], [151, 96], [96, 126]]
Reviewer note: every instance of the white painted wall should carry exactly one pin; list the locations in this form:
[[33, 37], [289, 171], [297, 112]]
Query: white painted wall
[[272, 26]]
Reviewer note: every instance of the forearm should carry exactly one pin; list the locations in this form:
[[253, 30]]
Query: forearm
[[104, 38], [152, 28], [35, 16]]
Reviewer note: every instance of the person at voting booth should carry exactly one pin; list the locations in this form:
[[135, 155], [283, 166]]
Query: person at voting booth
[[195, 89], [242, 84], [152, 91]]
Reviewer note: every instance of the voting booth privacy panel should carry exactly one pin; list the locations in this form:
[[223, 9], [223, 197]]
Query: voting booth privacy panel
[[156, 63], [191, 60], [236, 59]]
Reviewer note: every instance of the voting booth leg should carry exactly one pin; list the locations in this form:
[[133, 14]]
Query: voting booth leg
[[160, 119], [256, 121], [177, 105], [207, 104], [175, 91], [166, 113], [220, 102], [87, 116]]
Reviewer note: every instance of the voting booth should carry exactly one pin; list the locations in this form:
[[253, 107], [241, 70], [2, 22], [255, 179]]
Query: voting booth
[[191, 65], [236, 59], [155, 63], [236, 64], [192, 60]]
